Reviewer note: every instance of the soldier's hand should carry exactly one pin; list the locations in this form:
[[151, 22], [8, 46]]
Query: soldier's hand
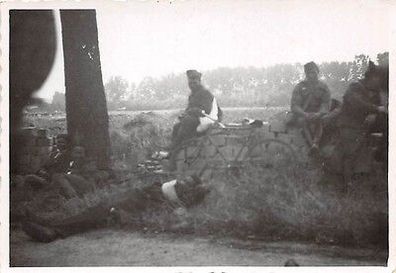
[[309, 116], [182, 115], [42, 172]]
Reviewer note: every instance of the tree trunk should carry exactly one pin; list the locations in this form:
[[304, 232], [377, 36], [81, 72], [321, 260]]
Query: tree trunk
[[86, 109]]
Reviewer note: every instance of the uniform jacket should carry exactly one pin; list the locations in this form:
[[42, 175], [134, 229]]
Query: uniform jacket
[[358, 102], [202, 99], [311, 96]]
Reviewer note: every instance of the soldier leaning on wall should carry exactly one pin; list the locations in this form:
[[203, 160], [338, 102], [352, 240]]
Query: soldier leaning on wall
[[58, 162], [68, 172], [202, 111]]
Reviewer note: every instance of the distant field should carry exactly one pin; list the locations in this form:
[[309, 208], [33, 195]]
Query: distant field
[[56, 123]]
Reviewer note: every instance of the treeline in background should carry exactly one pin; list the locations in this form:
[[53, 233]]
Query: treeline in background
[[233, 87]]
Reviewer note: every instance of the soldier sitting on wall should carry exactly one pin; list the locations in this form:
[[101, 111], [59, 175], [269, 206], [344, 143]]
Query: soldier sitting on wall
[[310, 102], [193, 121], [178, 195]]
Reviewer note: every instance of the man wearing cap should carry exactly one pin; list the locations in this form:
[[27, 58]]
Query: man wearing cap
[[200, 101], [310, 102]]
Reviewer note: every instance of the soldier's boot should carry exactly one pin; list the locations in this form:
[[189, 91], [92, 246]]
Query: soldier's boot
[[39, 233], [44, 230], [38, 228]]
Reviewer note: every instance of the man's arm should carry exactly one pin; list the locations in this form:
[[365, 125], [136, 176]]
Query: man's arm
[[296, 102], [201, 101], [354, 97], [206, 100]]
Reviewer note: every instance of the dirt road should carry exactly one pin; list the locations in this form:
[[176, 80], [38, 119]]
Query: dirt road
[[118, 247]]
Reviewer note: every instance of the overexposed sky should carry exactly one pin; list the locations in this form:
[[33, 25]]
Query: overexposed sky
[[155, 38]]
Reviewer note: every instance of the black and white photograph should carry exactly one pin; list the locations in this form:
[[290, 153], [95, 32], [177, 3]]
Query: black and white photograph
[[182, 133]]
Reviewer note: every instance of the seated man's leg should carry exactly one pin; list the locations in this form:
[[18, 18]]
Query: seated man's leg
[[187, 129], [63, 185], [306, 132], [183, 130], [175, 131], [80, 184], [317, 129]]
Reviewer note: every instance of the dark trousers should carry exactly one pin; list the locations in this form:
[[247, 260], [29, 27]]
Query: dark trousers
[[47, 227], [313, 130], [185, 129]]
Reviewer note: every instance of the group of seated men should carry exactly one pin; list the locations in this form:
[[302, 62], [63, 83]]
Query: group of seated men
[[363, 104], [311, 108]]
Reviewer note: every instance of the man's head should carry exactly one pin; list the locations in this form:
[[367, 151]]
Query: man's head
[[194, 79], [376, 77], [62, 142], [311, 71]]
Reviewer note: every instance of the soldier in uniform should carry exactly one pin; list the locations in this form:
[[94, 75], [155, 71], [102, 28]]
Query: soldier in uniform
[[310, 102], [361, 99], [193, 121], [58, 162], [182, 193], [81, 177]]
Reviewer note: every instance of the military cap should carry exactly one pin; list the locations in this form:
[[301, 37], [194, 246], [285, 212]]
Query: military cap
[[193, 74], [311, 66]]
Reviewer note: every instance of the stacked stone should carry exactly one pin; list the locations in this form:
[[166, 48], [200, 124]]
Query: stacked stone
[[35, 151]]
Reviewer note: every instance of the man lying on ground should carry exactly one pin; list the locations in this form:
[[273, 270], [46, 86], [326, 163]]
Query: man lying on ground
[[176, 195]]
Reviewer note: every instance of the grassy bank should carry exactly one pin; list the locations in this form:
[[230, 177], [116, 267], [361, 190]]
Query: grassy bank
[[292, 203]]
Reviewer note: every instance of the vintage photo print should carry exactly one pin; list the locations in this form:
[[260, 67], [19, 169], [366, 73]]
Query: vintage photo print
[[197, 136]]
